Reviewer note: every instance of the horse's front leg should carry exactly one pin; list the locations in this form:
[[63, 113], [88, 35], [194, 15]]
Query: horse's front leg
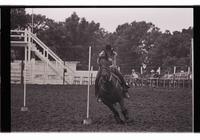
[[124, 110], [110, 106]]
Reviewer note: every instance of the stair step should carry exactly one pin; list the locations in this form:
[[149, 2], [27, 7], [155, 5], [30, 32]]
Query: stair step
[[34, 47]]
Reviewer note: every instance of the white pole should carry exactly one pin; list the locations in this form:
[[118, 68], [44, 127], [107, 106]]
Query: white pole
[[174, 69], [24, 108], [141, 69], [159, 71], [188, 70], [25, 77], [192, 49], [88, 91]]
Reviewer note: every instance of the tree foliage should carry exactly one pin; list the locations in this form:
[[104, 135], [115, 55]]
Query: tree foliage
[[18, 18], [136, 43]]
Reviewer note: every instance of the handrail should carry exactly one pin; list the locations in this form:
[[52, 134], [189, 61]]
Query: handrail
[[49, 64], [29, 34], [43, 45], [51, 52], [38, 41]]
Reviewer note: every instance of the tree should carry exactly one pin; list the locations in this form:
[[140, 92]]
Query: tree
[[132, 42], [40, 22], [71, 37], [172, 49], [136, 43], [18, 18]]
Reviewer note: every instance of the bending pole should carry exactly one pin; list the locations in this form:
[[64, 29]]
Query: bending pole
[[24, 108], [192, 53], [88, 120], [88, 91]]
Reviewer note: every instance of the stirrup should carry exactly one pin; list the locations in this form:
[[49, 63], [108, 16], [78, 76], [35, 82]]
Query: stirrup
[[99, 100]]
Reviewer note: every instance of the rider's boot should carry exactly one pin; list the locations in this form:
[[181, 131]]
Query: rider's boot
[[127, 95], [125, 90], [99, 99]]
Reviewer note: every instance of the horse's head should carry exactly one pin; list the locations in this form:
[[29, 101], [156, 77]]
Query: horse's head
[[104, 82], [105, 74], [110, 89]]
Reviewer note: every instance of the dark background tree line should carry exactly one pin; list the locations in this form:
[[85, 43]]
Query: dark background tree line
[[136, 43]]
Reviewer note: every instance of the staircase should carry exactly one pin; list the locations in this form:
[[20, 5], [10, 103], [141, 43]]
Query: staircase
[[41, 50], [58, 68]]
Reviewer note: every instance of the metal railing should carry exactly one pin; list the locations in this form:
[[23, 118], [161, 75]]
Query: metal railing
[[160, 82]]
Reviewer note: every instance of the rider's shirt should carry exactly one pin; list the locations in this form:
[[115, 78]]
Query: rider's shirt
[[134, 75], [106, 60]]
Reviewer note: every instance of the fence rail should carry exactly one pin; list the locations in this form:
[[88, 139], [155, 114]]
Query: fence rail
[[160, 82]]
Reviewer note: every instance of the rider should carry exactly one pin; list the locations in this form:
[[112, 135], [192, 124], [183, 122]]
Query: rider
[[107, 58]]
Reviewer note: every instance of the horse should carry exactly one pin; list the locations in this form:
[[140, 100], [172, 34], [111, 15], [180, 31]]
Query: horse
[[111, 94]]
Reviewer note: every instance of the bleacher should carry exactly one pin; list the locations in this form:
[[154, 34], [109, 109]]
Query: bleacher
[[37, 74]]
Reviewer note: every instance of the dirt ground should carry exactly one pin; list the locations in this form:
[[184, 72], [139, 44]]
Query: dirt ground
[[63, 108]]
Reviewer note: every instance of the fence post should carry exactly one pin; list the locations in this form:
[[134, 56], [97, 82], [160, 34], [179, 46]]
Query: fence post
[[168, 82], [29, 37], [174, 82], [178, 83], [164, 83], [142, 82], [174, 69], [149, 82], [25, 36], [157, 82]]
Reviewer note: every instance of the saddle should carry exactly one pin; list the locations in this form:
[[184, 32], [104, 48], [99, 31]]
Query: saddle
[[110, 76]]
